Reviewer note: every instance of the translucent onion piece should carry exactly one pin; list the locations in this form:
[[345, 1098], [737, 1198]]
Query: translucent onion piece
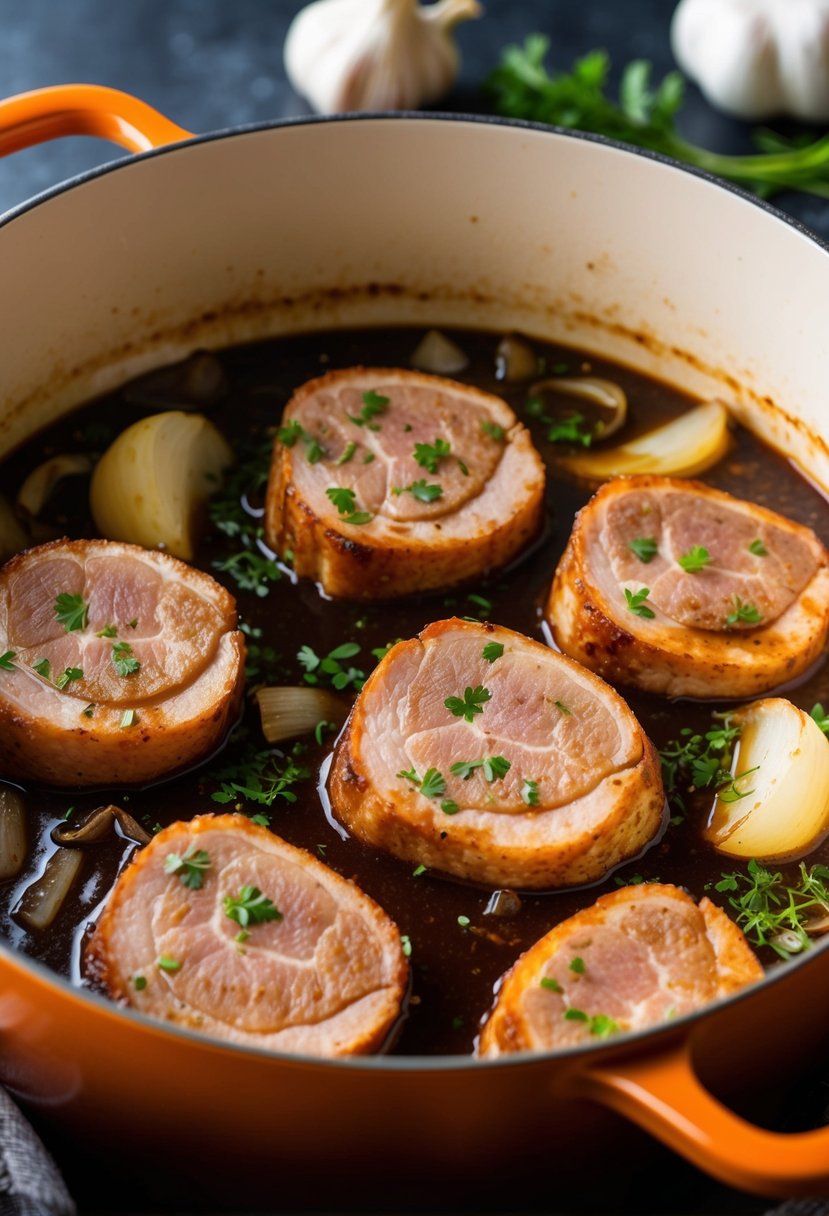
[[43, 899], [151, 485], [438, 354], [515, 359], [788, 811], [38, 487], [683, 448], [604, 393], [99, 824], [13, 537], [290, 712], [12, 832]]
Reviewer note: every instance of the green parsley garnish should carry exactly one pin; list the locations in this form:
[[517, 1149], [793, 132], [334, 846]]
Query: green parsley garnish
[[471, 704], [576, 1015], [233, 514], [433, 783], [7, 660], [259, 777], [71, 611], [292, 431], [128, 718], [43, 668], [418, 870], [731, 793], [406, 945], [89, 711], [373, 404], [133, 624], [573, 429], [494, 768], [68, 676], [343, 499], [602, 1025], [820, 716], [429, 455], [770, 911], [492, 651], [758, 548], [250, 907], [550, 984], [331, 667], [123, 659], [449, 807], [696, 559], [139, 983], [348, 452], [562, 709], [250, 569], [743, 612], [165, 963], [480, 602], [108, 631], [577, 966], [636, 602], [645, 548], [493, 430], [529, 792], [409, 774], [463, 921], [423, 491], [190, 866]]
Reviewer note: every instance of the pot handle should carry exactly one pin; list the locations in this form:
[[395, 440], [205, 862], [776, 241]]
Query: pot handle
[[83, 109], [664, 1096]]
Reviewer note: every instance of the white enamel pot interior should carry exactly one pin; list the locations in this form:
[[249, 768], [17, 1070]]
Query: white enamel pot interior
[[436, 221]]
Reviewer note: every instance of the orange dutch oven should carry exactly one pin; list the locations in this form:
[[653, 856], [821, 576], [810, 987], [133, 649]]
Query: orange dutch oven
[[364, 220]]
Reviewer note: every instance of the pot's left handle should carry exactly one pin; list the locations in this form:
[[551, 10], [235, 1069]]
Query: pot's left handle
[[83, 109]]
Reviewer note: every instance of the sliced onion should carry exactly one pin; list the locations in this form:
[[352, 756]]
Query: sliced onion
[[786, 809], [43, 899], [12, 831], [97, 825], [293, 711], [438, 354], [515, 359], [13, 536], [151, 485], [606, 394], [682, 448], [39, 486]]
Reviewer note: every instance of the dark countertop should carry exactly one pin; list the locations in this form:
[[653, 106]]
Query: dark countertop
[[210, 64]]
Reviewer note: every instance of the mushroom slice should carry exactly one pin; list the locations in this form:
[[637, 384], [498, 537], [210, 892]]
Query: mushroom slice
[[99, 824]]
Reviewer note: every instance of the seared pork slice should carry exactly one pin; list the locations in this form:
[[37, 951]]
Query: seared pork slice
[[481, 753], [680, 589], [639, 956], [222, 927], [388, 482], [121, 664]]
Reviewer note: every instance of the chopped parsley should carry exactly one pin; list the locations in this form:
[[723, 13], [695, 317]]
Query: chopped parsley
[[423, 491], [552, 985], [577, 965], [770, 911], [493, 430], [406, 945], [429, 455], [347, 453], [108, 631], [139, 982], [251, 569], [758, 548], [575, 1015], [43, 668], [259, 777], [481, 602], [471, 704], [602, 1025], [7, 660], [190, 866], [529, 792], [331, 667], [68, 676], [730, 793], [344, 500], [698, 761], [123, 659], [292, 431], [636, 602], [418, 870], [744, 613], [573, 429], [562, 709], [696, 559], [433, 783], [645, 548], [449, 807], [128, 718], [165, 963], [373, 404], [71, 611], [463, 921], [494, 768], [380, 652], [250, 907], [820, 716], [492, 651]]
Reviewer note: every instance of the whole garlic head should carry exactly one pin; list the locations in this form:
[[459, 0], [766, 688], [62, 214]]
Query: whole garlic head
[[757, 58], [374, 54]]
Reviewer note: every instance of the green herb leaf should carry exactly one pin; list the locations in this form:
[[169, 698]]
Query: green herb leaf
[[406, 945], [758, 548], [602, 1025], [770, 911], [373, 404], [572, 429], [429, 455], [731, 793], [562, 708], [576, 1015], [259, 777], [165, 963], [645, 548], [69, 676], [7, 660], [423, 491], [552, 985], [71, 611], [347, 453], [43, 668], [481, 602], [465, 768], [433, 783], [698, 761], [696, 559], [463, 921], [577, 966], [190, 866], [343, 500], [123, 660], [492, 651], [493, 430], [409, 774], [418, 870], [471, 704], [449, 807], [250, 907], [636, 602], [139, 983], [495, 768], [108, 631], [819, 714], [290, 433], [331, 669], [743, 612], [529, 792]]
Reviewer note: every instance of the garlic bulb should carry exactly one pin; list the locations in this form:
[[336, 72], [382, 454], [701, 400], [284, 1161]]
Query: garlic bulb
[[755, 58], [374, 54]]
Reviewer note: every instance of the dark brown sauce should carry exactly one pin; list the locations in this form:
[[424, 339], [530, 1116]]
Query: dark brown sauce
[[454, 965]]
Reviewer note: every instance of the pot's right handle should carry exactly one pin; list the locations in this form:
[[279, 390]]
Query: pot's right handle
[[664, 1096], [83, 109]]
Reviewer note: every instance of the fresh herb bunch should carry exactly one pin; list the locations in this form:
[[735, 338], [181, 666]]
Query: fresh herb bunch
[[259, 776], [645, 116], [698, 762], [771, 912]]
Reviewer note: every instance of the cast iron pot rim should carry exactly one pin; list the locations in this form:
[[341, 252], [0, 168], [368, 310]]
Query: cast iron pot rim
[[405, 1063]]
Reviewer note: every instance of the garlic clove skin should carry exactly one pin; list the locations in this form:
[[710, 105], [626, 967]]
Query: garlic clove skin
[[756, 58], [347, 55]]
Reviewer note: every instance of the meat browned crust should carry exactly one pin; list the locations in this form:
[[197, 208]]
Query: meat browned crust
[[161, 663], [753, 617], [326, 977], [581, 791], [491, 483], [637, 957]]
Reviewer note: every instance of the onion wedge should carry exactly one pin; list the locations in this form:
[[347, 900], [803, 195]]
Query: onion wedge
[[43, 899], [779, 809], [38, 487], [605, 394], [12, 832], [151, 485], [683, 448], [290, 712], [438, 354]]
